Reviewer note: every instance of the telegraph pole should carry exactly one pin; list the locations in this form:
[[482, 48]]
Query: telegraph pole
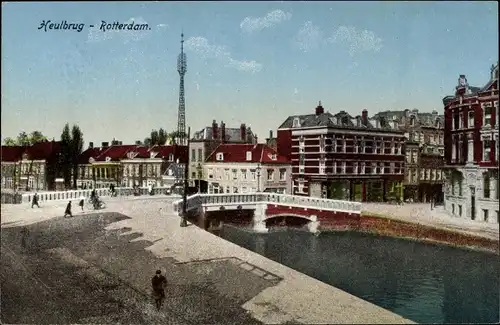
[[181, 115]]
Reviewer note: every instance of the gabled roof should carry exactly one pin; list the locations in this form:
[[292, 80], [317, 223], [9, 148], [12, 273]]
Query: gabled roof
[[237, 153], [87, 154]]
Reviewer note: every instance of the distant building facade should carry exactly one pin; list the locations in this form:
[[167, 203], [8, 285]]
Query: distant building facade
[[424, 134], [32, 168], [247, 168], [204, 142], [471, 150], [127, 165], [343, 157]]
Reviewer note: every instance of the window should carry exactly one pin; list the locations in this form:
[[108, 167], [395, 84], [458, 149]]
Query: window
[[235, 174], [243, 174], [322, 167], [460, 210], [485, 214], [302, 169], [296, 122], [453, 208], [282, 174], [235, 190], [171, 157], [252, 174], [193, 175], [219, 156], [486, 185], [486, 150], [249, 156], [200, 154], [210, 173], [322, 143], [487, 115], [470, 124], [301, 187], [270, 175], [226, 174]]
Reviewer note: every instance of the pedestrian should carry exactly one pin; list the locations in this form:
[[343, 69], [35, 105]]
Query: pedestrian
[[82, 202], [35, 201], [68, 210], [158, 283]]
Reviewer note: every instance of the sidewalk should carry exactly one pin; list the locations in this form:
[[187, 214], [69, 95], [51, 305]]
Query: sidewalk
[[421, 213], [292, 296]]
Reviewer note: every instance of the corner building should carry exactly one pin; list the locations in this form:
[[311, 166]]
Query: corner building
[[471, 150], [344, 157]]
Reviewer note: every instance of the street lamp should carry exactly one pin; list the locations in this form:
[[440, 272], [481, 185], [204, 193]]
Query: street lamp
[[184, 193], [258, 177]]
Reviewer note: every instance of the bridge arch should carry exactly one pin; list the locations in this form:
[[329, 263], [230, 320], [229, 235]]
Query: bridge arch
[[290, 215]]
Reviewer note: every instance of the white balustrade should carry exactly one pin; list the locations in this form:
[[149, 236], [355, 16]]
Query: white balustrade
[[197, 200], [77, 194]]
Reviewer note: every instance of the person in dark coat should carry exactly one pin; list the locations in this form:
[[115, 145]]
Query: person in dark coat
[[158, 283], [35, 201], [82, 202], [68, 210]]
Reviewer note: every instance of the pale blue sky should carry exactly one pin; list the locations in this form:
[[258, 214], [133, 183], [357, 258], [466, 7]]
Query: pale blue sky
[[351, 56]]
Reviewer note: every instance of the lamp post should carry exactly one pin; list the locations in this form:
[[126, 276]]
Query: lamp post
[[184, 193], [258, 177]]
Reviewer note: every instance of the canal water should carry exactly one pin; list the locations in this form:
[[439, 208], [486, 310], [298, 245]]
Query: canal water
[[422, 282]]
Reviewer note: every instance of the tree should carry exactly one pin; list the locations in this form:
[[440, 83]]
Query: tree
[[9, 141], [23, 139], [162, 137], [157, 137], [76, 150], [66, 153]]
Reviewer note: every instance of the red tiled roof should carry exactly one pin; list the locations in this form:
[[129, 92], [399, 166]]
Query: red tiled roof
[[179, 152], [87, 154], [115, 153], [12, 153], [237, 153], [39, 151]]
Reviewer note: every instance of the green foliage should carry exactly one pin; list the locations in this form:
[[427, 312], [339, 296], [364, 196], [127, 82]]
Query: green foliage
[[23, 139], [71, 148], [157, 137]]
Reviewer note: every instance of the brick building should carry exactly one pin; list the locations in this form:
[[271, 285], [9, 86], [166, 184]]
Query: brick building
[[343, 157], [471, 152], [424, 133]]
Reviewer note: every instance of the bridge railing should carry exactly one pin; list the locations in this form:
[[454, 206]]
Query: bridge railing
[[77, 194], [197, 200]]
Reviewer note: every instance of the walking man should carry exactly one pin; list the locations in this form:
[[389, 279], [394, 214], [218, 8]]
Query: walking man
[[158, 282], [68, 210], [82, 201], [34, 201]]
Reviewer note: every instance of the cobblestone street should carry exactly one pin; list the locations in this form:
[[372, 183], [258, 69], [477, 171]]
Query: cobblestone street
[[74, 271]]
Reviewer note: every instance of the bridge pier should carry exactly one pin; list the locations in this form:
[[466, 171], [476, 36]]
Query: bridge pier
[[313, 224], [259, 218]]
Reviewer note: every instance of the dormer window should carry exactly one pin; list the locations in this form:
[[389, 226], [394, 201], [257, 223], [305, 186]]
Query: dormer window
[[219, 156], [249, 156], [334, 120], [25, 156], [296, 122], [345, 121], [152, 154], [108, 159], [91, 160], [171, 157], [273, 156]]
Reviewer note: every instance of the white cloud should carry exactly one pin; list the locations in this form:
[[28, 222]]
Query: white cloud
[[201, 46], [272, 18], [309, 37], [357, 40], [97, 35]]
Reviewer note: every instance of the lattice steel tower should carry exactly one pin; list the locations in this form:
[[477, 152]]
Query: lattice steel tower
[[181, 117]]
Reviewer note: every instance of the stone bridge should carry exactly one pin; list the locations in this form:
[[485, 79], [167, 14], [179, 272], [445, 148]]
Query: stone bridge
[[266, 206]]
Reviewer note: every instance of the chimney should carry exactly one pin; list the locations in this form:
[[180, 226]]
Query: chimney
[[120, 143], [91, 145], [215, 130], [364, 117], [138, 142], [223, 131], [105, 144], [319, 109], [270, 134], [243, 132]]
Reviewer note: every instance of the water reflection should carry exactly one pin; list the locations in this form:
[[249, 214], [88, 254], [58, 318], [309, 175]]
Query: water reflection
[[422, 282]]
